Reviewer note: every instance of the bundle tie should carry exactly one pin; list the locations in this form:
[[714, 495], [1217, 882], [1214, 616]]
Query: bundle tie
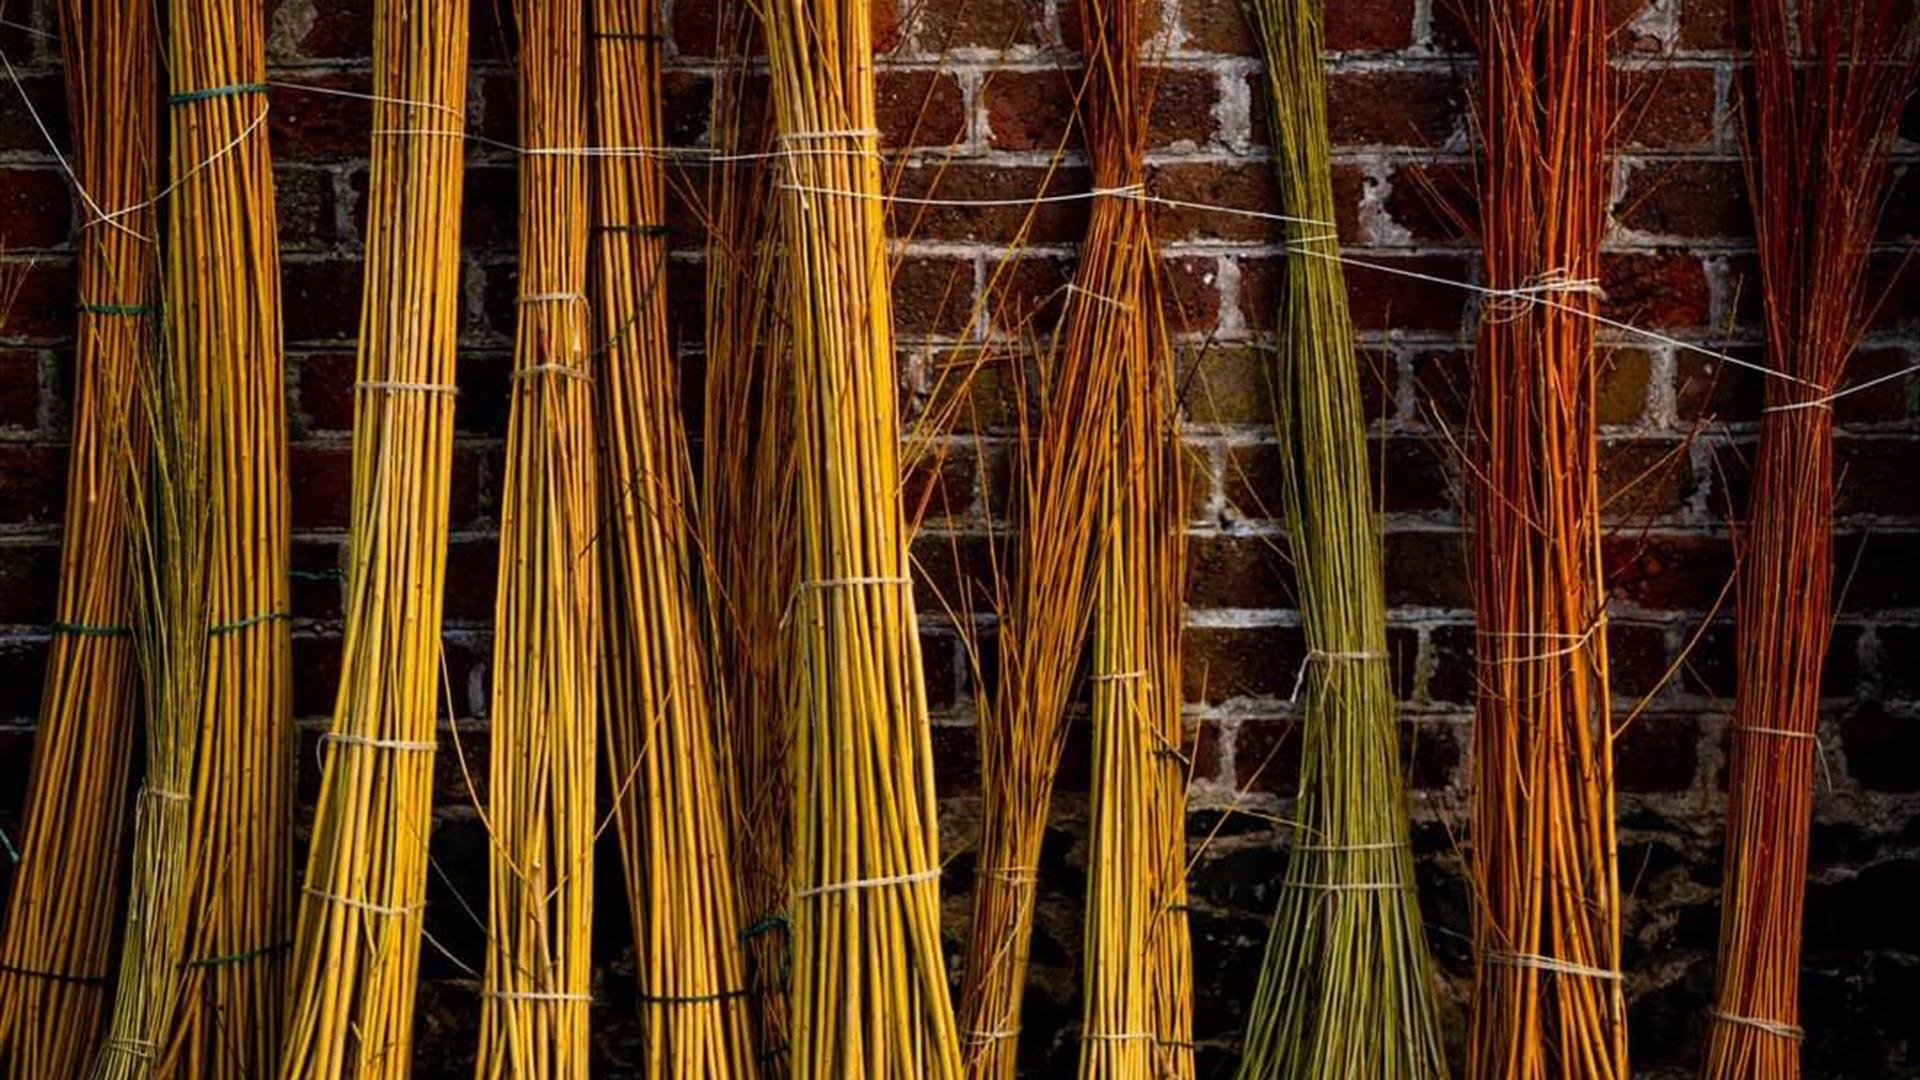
[[538, 995], [140, 1048], [1119, 676], [1551, 965], [361, 905], [1122, 305], [776, 921], [407, 387], [1575, 642], [776, 1051], [115, 309], [315, 575], [714, 998], [237, 957], [655, 230], [1385, 845], [1012, 875], [234, 90], [623, 35], [95, 630], [222, 629], [1506, 305], [1826, 401], [1328, 657], [551, 298], [988, 1038], [1344, 886], [868, 883], [151, 792], [828, 133], [348, 739], [55, 976], [1772, 1027], [1119, 1036], [1778, 733], [567, 370]]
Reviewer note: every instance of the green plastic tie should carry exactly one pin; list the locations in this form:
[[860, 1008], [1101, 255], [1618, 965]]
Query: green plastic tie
[[776, 921], [314, 575], [116, 309], [13, 853], [238, 957], [692, 999], [251, 620], [55, 976], [211, 92], [96, 630]]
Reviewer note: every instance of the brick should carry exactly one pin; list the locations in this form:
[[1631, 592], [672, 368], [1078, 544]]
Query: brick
[[1259, 662], [1713, 24], [919, 108], [319, 30], [304, 201], [1233, 186], [1267, 756], [1426, 568], [1669, 106], [1028, 295], [1880, 747], [490, 210], [471, 580], [1706, 388], [1182, 112], [32, 479], [1666, 290], [1395, 107], [1378, 298], [939, 485], [322, 474], [932, 295], [321, 299], [324, 390], [1636, 659], [1235, 571], [1622, 394], [1667, 571], [307, 125], [41, 305], [1029, 110], [686, 106], [1192, 299], [1657, 753], [1712, 665], [19, 390], [1690, 200], [1016, 185], [29, 575], [1876, 477], [1443, 387], [1152, 24], [1644, 480], [23, 666], [35, 211], [1435, 202], [977, 24], [39, 95], [1432, 755]]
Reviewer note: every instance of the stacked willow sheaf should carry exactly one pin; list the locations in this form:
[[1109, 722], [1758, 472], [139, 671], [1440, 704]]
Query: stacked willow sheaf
[[57, 940], [201, 992], [1821, 121], [869, 995], [1346, 989], [662, 744], [1548, 997], [544, 705], [747, 526], [1064, 470], [357, 951]]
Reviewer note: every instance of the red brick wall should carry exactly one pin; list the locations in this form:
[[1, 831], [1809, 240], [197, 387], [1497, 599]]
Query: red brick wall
[[974, 93]]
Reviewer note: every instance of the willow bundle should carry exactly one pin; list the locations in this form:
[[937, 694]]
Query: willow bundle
[[1064, 470], [746, 523], [545, 646], [662, 742], [1548, 996], [869, 995], [208, 1003], [1137, 991], [1346, 988], [57, 940], [357, 951], [1819, 130]]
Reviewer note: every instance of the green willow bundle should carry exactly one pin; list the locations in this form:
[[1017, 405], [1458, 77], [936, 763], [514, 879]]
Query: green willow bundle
[[747, 526], [1064, 470], [1822, 120], [869, 996], [357, 951], [1549, 996], [203, 998], [1137, 991], [57, 940], [534, 1019], [669, 804], [1346, 989]]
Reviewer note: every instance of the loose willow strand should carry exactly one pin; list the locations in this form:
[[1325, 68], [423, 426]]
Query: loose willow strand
[[355, 962], [534, 1017], [869, 996], [1346, 989], [662, 744], [57, 939], [1544, 861]]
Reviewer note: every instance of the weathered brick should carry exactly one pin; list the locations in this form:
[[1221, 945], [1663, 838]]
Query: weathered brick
[[1395, 108], [1690, 200], [19, 390], [32, 479], [919, 108], [1670, 106], [35, 211], [311, 124], [1666, 290]]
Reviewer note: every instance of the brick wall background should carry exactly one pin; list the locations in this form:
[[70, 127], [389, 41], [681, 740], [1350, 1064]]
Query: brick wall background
[[974, 95]]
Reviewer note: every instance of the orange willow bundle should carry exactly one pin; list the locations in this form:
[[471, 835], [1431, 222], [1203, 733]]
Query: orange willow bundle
[[661, 739], [869, 996], [357, 952], [545, 649], [1819, 128], [1064, 473], [200, 991], [56, 944], [1137, 989], [746, 525], [1548, 997]]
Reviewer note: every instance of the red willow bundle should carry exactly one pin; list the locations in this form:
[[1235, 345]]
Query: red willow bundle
[[544, 703], [1064, 475], [357, 953], [1548, 996], [1819, 129], [56, 944], [661, 741]]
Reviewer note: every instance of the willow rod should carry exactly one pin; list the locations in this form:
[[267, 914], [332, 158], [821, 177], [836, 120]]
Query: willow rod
[[1346, 988], [1549, 996], [357, 950], [540, 813], [58, 937]]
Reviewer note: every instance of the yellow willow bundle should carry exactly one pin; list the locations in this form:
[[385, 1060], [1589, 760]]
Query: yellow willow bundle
[[1345, 989], [1137, 987], [869, 994], [746, 525], [1064, 472], [1549, 998], [545, 647], [208, 1003], [669, 802], [357, 951], [56, 944]]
